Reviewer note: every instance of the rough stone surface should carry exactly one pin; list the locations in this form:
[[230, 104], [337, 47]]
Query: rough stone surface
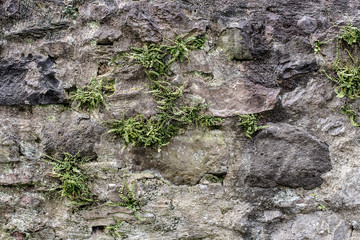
[[30, 81], [297, 179], [235, 45], [283, 155]]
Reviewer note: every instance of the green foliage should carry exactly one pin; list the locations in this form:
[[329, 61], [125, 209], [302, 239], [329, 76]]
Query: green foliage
[[350, 34], [70, 11], [249, 123], [128, 198], [347, 78], [353, 116], [92, 95], [347, 71], [321, 208], [74, 184], [317, 46], [181, 46], [114, 230], [157, 130], [214, 179]]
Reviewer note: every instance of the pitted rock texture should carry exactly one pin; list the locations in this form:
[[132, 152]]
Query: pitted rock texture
[[296, 179]]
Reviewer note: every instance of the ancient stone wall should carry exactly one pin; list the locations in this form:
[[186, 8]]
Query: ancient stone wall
[[297, 178]]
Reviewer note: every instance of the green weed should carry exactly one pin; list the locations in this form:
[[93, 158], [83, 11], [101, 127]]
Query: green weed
[[250, 124], [181, 46], [128, 198], [157, 130], [353, 116], [114, 230], [350, 34], [346, 71], [74, 184], [347, 78], [70, 11], [214, 179], [92, 95]]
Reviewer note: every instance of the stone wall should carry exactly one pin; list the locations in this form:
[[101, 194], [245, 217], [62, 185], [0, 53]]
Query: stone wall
[[296, 179]]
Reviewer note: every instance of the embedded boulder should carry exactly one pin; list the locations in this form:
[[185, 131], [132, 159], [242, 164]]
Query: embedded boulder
[[29, 81], [284, 155]]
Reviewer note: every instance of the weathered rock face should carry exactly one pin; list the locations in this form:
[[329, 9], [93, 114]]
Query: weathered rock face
[[296, 179], [30, 80], [283, 155]]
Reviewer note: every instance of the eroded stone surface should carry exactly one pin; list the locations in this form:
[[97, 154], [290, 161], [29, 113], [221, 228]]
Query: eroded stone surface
[[295, 180], [29, 81], [283, 155]]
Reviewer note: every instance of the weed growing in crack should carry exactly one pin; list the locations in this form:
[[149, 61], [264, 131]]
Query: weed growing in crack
[[157, 131], [353, 116], [346, 72], [250, 124], [93, 95], [347, 78], [128, 198], [350, 34], [70, 11], [74, 183], [115, 230]]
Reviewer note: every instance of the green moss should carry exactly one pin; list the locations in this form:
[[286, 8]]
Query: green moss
[[214, 179], [70, 11], [74, 183], [250, 124], [172, 116]]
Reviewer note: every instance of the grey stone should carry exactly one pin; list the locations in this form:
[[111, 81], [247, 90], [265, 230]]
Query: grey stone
[[238, 97], [191, 156], [29, 81], [320, 225], [72, 132], [307, 24], [284, 155]]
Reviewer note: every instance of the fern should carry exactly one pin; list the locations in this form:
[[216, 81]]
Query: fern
[[158, 130], [250, 124], [73, 182]]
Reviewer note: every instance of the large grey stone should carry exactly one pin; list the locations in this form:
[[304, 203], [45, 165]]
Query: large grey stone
[[320, 225], [30, 80], [284, 155], [72, 132]]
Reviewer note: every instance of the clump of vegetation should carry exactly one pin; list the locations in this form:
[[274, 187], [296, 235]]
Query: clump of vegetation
[[214, 179], [128, 198], [158, 130], [353, 116], [346, 71], [71, 11], [347, 78], [350, 34], [317, 46], [173, 116], [74, 183], [115, 230], [91, 96], [250, 123]]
